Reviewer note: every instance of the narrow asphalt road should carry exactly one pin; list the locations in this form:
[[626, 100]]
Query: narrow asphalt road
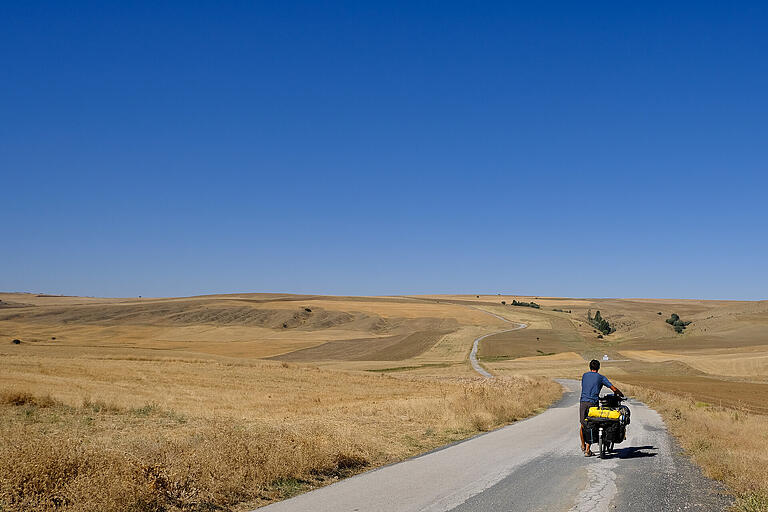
[[532, 465], [473, 353]]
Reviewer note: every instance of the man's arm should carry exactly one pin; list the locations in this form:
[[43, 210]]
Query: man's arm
[[613, 388]]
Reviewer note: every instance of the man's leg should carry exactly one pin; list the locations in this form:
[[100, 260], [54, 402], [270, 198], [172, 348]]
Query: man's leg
[[582, 416], [585, 447]]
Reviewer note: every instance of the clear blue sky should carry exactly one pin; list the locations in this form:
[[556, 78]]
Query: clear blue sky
[[550, 148]]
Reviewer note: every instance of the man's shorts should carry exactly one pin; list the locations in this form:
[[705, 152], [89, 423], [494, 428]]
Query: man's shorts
[[584, 410]]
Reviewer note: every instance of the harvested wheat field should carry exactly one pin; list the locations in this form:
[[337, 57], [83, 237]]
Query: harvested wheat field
[[197, 435], [235, 401], [170, 404]]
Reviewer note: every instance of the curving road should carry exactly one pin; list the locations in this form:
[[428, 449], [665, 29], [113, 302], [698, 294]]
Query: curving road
[[473, 353]]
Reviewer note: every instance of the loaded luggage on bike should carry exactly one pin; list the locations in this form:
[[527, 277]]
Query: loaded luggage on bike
[[589, 431], [607, 423]]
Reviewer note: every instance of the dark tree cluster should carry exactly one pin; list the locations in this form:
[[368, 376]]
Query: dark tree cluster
[[561, 310], [599, 323], [525, 304], [679, 325]]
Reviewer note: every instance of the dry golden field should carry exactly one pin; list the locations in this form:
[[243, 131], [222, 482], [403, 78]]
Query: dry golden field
[[147, 434], [186, 404], [236, 400]]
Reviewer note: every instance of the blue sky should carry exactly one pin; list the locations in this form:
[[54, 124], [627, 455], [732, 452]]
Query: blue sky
[[173, 148]]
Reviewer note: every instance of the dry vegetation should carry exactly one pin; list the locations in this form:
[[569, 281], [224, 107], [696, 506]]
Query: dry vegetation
[[169, 404], [204, 435], [728, 444]]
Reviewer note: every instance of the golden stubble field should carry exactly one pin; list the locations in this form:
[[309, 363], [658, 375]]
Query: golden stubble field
[[237, 400], [187, 404]]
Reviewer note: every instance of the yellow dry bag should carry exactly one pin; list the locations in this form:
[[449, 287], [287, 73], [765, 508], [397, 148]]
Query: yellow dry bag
[[597, 412]]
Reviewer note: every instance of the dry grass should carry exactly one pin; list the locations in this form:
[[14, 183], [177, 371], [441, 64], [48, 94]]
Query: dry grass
[[746, 362], [159, 404], [180, 435], [728, 444]]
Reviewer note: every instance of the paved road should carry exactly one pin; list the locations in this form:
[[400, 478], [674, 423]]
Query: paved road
[[473, 354], [532, 465]]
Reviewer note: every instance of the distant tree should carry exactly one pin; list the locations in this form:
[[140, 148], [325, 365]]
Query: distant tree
[[599, 323], [516, 302], [676, 323]]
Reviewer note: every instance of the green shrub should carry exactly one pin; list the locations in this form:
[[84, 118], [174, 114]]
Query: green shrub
[[525, 304], [600, 323], [676, 323]]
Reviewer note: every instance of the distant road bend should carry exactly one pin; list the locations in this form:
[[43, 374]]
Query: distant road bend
[[473, 353], [531, 465]]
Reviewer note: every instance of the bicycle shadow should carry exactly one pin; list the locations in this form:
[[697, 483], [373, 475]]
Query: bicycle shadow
[[633, 452]]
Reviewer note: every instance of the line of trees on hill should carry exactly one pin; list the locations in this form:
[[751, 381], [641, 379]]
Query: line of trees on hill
[[525, 304], [679, 325], [599, 323]]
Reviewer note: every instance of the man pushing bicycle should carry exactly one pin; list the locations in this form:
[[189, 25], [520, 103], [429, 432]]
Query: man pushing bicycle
[[591, 384]]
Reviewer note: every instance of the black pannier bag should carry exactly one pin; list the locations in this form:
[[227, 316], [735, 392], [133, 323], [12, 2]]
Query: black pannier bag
[[615, 433], [591, 433]]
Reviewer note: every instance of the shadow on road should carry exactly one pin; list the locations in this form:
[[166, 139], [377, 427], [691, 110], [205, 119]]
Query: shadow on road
[[634, 452]]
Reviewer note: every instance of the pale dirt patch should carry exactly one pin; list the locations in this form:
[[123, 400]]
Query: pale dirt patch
[[730, 363], [563, 356], [453, 347], [647, 355], [550, 369]]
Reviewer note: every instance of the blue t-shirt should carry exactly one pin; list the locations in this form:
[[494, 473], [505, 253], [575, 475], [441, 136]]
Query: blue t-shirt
[[591, 384]]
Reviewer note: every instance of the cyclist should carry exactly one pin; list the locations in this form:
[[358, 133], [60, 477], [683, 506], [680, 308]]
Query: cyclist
[[591, 384]]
